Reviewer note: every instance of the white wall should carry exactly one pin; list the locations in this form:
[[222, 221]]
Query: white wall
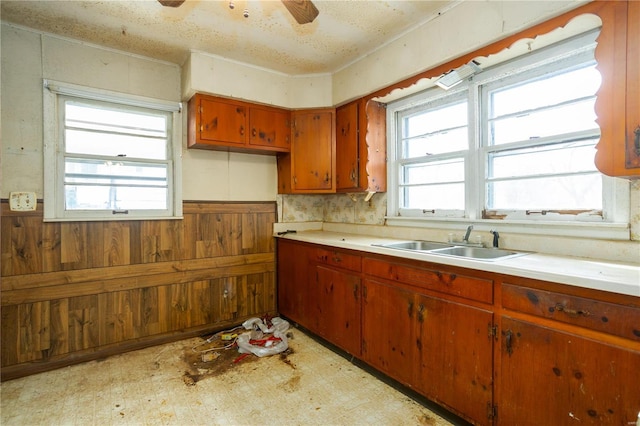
[[212, 74], [29, 57], [466, 27]]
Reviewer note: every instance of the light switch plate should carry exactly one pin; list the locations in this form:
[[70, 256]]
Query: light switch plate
[[22, 201]]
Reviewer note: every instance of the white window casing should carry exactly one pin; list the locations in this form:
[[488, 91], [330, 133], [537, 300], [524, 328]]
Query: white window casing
[[56, 97], [609, 223]]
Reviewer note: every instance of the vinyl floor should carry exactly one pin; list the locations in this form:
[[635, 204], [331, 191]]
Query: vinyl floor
[[174, 384]]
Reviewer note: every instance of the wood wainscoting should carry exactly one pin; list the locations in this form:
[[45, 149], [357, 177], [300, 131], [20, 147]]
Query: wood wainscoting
[[77, 291]]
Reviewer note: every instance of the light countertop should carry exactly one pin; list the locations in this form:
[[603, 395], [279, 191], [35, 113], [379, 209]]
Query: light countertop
[[599, 275]]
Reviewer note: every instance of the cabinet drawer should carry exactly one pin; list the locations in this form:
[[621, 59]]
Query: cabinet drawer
[[619, 320], [445, 282], [337, 258]]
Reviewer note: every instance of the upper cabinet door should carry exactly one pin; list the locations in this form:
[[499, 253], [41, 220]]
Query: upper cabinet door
[[633, 87], [347, 147], [618, 100], [270, 128], [222, 122], [231, 125], [361, 147], [313, 151]]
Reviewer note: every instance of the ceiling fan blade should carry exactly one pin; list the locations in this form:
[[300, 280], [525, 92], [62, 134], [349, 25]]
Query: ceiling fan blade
[[303, 11], [171, 3]]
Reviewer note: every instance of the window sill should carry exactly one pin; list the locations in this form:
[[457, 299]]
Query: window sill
[[109, 218], [590, 230]]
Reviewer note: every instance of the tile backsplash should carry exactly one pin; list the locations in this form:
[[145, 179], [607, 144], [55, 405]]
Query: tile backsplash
[[333, 208]]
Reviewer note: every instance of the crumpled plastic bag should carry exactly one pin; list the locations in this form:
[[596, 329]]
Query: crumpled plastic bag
[[279, 329]]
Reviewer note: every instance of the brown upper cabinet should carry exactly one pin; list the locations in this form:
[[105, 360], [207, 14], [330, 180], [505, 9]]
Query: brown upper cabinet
[[336, 151], [230, 125], [618, 101], [310, 167], [361, 147]]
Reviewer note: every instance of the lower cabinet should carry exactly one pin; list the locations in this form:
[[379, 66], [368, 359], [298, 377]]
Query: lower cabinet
[[294, 288], [576, 356], [338, 308], [440, 348], [321, 290], [455, 366], [538, 353], [552, 377], [388, 332]]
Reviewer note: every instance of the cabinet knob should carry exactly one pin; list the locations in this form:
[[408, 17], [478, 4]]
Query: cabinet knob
[[242, 130], [253, 132], [636, 140]]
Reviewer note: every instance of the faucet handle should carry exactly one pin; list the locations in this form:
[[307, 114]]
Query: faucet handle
[[496, 236]]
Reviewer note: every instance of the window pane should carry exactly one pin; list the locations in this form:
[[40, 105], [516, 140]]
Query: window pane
[[553, 104], [96, 130], [90, 197], [437, 143], [578, 192], [444, 197], [435, 185], [436, 131], [438, 171], [569, 157], [96, 184], [434, 120], [82, 142], [549, 90], [569, 118]]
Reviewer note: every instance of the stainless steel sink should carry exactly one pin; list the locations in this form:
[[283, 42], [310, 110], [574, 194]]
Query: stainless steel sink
[[416, 245], [444, 249], [478, 253]]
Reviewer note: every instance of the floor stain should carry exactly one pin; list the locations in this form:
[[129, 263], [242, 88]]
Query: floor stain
[[197, 369], [292, 384], [284, 357], [426, 420]]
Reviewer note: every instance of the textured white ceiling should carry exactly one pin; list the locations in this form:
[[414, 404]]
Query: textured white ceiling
[[344, 31]]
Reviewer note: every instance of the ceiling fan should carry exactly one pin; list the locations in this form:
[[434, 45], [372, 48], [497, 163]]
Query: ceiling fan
[[303, 11]]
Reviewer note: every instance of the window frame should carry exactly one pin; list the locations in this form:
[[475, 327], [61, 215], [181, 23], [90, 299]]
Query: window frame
[[614, 223], [54, 95], [437, 100]]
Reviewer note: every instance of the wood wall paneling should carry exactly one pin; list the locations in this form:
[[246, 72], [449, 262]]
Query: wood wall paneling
[[75, 291]]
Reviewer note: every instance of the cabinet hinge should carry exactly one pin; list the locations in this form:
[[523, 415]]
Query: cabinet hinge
[[492, 411], [493, 331]]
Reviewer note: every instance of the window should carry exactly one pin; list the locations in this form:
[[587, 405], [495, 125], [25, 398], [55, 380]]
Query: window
[[517, 141], [539, 142], [433, 149], [109, 156]]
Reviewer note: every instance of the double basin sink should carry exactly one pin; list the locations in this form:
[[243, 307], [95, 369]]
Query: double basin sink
[[444, 249]]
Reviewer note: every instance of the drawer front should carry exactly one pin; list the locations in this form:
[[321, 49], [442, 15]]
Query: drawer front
[[619, 320], [444, 282], [338, 259]]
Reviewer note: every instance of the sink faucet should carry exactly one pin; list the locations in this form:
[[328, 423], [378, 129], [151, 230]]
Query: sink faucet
[[466, 234], [496, 236]]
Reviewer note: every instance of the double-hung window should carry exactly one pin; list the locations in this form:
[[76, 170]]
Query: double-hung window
[[434, 148], [539, 134], [514, 143], [110, 156]]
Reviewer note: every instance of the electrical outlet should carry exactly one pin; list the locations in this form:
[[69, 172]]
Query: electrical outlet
[[22, 201]]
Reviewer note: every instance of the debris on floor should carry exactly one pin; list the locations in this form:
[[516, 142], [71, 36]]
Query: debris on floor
[[226, 349]]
